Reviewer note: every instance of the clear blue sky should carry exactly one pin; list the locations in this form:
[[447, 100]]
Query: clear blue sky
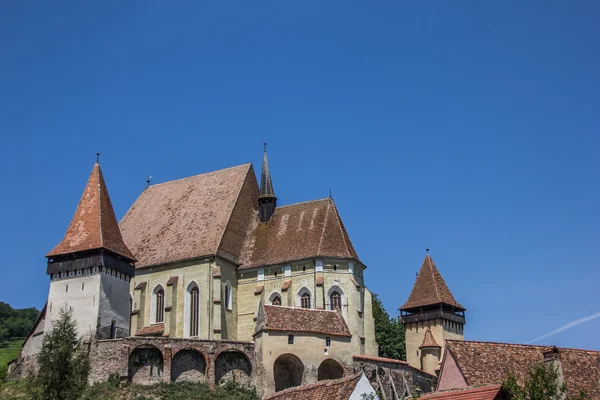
[[470, 128]]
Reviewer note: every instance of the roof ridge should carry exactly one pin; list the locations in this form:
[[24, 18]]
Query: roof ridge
[[303, 202], [339, 220], [435, 282], [328, 382], [301, 308], [196, 175], [97, 168]]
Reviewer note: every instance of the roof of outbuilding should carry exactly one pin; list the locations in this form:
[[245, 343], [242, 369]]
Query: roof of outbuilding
[[151, 330], [94, 225], [296, 232], [487, 392], [339, 389], [292, 319], [430, 288], [490, 362], [202, 215]]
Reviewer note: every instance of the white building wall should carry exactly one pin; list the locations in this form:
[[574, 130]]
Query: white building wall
[[114, 305]]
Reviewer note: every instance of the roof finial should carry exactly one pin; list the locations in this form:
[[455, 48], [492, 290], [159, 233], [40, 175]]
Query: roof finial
[[265, 149], [148, 181], [97, 158], [330, 194], [427, 250]]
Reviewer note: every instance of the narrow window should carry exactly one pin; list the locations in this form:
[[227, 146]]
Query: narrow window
[[303, 268], [194, 311], [275, 274], [327, 341], [335, 300], [276, 301], [305, 300], [160, 306], [290, 339], [82, 285], [335, 267], [67, 288], [113, 329]]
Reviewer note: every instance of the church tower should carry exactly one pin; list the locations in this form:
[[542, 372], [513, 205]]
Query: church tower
[[430, 316], [267, 200], [90, 269]]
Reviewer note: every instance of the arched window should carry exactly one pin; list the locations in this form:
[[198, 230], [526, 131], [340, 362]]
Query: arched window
[[160, 306], [276, 301], [228, 297], [194, 302], [305, 300], [335, 300]]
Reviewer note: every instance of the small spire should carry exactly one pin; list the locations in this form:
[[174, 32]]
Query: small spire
[[265, 147], [148, 181], [330, 194], [97, 158], [267, 201], [427, 250]]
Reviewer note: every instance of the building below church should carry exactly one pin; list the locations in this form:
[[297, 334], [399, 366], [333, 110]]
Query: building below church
[[207, 278]]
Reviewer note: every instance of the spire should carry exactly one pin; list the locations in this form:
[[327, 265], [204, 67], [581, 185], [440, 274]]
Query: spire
[[430, 288], [94, 225], [267, 200], [429, 340]]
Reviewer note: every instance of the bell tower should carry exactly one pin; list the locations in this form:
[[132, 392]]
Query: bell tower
[[430, 316], [90, 269], [267, 202]]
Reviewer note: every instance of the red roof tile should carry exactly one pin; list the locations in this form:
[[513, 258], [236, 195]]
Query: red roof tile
[[354, 282], [94, 225], [320, 280], [286, 284], [339, 389], [430, 288], [296, 232], [259, 289], [216, 272], [193, 217], [429, 340], [489, 362], [140, 286], [379, 359], [290, 319], [172, 280], [152, 330], [489, 392]]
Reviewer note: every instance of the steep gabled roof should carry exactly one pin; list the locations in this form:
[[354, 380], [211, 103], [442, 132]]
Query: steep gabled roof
[[429, 340], [296, 232], [339, 389], [94, 225], [430, 288], [487, 392], [202, 215], [488, 362], [292, 319]]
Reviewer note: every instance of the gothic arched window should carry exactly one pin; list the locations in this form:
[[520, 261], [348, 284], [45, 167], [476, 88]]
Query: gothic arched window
[[276, 301], [194, 306], [160, 306], [335, 300], [305, 300]]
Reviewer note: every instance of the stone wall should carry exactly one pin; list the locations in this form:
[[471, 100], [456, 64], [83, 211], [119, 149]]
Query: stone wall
[[150, 360]]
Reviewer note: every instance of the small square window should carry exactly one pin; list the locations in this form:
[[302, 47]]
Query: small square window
[[328, 341], [290, 339]]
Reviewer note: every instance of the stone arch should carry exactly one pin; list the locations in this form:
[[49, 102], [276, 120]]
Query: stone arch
[[274, 297], [188, 365], [340, 292], [232, 365], [287, 370], [302, 292], [145, 365], [330, 369]]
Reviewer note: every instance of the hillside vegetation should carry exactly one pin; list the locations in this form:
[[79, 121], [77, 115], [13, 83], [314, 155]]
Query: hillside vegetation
[[9, 350], [15, 323]]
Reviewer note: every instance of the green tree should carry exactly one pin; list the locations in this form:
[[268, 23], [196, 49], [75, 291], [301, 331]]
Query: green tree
[[389, 332], [541, 384], [16, 323], [63, 364]]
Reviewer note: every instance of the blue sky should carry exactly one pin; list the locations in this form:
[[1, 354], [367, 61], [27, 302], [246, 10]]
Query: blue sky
[[467, 128]]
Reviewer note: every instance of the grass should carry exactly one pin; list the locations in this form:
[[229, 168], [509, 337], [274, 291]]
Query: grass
[[10, 350]]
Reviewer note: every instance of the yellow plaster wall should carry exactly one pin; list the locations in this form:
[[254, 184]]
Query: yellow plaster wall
[[415, 332]]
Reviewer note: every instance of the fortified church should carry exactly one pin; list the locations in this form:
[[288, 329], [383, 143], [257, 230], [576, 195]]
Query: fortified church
[[207, 278]]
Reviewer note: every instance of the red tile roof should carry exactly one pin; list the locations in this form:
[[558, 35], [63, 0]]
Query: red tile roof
[[216, 272], [94, 225], [489, 362], [152, 330], [202, 215], [290, 319], [489, 392], [430, 288], [379, 359], [320, 280], [429, 340], [259, 289], [339, 389], [286, 284], [172, 280], [296, 232]]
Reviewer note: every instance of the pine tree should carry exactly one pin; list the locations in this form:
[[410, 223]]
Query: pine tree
[[63, 364], [389, 332]]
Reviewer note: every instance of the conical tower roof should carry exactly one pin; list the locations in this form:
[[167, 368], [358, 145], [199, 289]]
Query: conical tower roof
[[429, 340], [94, 225], [266, 186], [430, 288]]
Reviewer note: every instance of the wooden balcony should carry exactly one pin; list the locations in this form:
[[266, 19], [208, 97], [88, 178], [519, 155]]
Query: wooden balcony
[[434, 314]]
